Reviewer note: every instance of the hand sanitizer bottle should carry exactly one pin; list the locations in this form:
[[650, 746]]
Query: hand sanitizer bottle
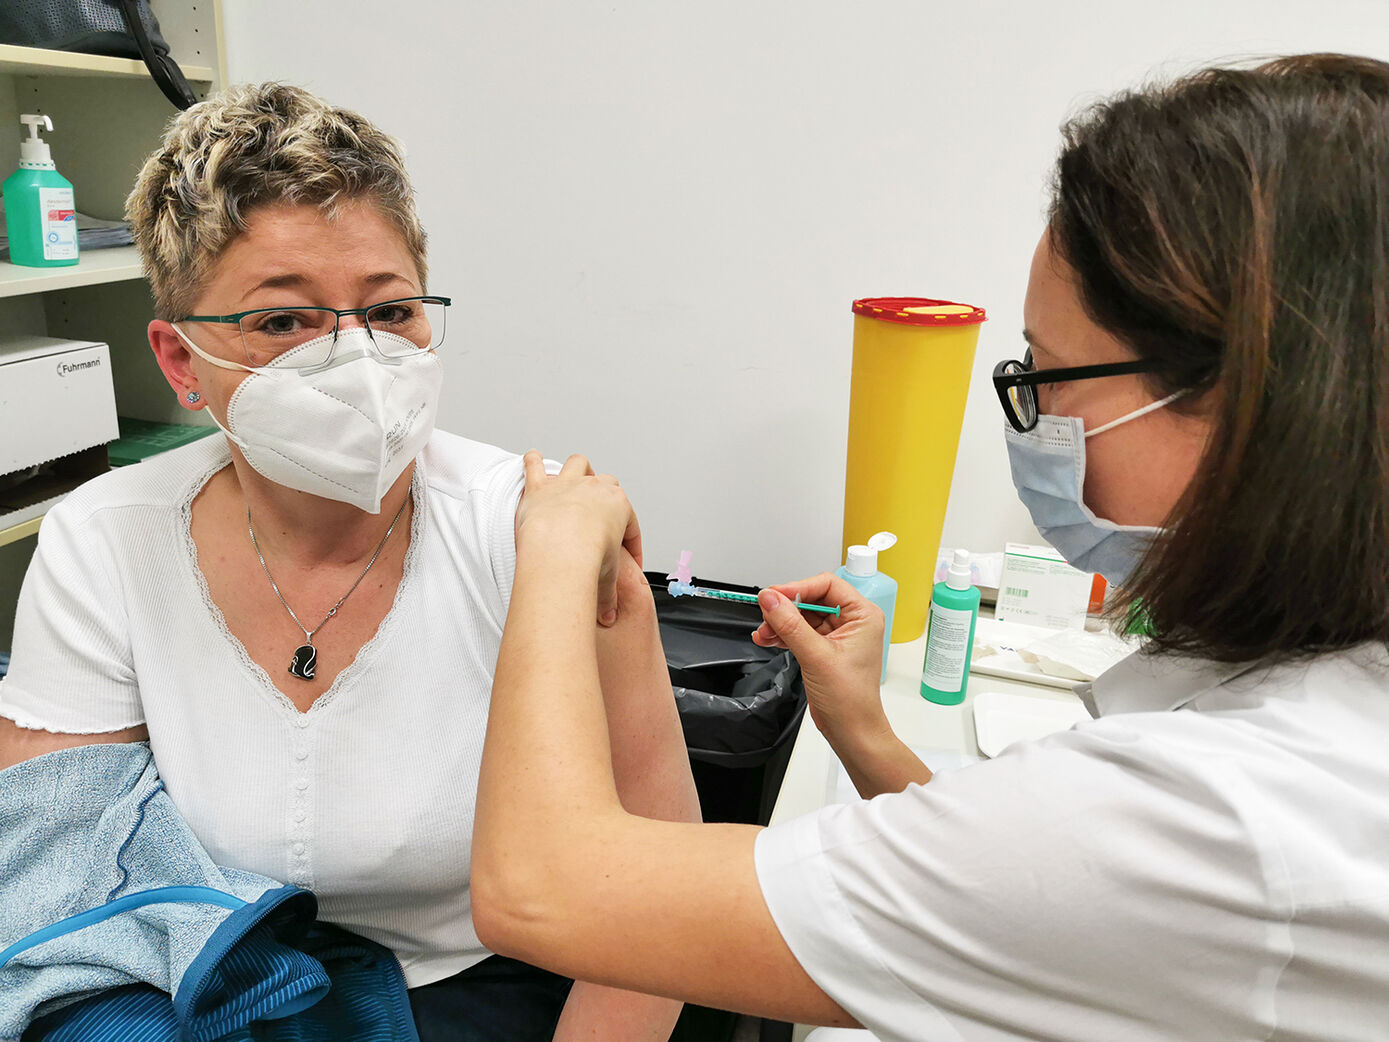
[[40, 211], [860, 570], [950, 635]]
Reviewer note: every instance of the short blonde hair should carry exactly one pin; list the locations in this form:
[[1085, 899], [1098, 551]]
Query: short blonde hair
[[247, 147]]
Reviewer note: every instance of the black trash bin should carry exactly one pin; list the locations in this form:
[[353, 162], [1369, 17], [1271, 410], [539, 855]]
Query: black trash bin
[[740, 706]]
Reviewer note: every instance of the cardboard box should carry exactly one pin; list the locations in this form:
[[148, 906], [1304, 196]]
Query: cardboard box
[[1038, 588], [57, 412]]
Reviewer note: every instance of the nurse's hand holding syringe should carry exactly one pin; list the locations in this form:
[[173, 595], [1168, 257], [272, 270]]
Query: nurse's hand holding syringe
[[841, 661]]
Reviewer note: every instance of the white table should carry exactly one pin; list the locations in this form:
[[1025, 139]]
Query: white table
[[919, 723]]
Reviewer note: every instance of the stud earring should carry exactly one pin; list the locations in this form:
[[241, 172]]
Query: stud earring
[[194, 396]]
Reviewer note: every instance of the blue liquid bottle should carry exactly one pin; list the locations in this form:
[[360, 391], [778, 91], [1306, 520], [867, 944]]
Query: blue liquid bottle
[[860, 570]]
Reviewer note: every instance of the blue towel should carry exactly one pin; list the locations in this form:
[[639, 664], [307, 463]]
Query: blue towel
[[117, 925], [367, 1002]]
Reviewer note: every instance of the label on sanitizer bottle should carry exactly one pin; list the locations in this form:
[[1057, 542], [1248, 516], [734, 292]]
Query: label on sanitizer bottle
[[947, 642], [58, 223]]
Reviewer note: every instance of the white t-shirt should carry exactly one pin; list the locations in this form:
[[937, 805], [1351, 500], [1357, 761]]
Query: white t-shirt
[[1207, 860], [367, 799]]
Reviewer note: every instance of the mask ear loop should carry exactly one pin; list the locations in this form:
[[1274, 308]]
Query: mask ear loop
[[221, 363], [1152, 407]]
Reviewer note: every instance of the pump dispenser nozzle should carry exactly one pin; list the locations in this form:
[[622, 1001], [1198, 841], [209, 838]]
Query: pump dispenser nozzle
[[958, 578], [862, 560], [40, 209], [33, 150]]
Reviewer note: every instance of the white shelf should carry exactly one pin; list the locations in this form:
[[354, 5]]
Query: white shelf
[[37, 61], [95, 266]]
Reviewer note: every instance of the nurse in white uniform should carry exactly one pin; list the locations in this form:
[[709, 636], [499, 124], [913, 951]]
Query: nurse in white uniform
[[1202, 414]]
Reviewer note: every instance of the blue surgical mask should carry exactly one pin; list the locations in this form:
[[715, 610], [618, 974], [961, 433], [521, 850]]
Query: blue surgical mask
[[1048, 465]]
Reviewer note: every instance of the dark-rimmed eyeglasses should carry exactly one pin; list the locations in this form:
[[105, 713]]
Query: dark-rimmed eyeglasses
[[412, 324], [1016, 383]]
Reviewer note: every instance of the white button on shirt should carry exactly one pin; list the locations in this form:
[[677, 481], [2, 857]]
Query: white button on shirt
[[1208, 860]]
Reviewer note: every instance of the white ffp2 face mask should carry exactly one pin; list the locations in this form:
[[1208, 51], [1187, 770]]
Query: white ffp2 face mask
[[345, 431]]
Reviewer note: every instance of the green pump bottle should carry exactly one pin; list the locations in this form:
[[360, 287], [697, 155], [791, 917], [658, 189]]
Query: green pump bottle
[[40, 211], [950, 635]]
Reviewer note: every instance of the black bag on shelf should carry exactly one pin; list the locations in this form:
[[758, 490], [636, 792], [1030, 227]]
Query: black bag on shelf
[[116, 28]]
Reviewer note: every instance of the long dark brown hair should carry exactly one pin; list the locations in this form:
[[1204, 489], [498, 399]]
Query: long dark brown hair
[[1234, 227]]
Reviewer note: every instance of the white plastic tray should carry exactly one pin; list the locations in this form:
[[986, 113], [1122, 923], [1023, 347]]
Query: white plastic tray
[[1010, 667], [1002, 718]]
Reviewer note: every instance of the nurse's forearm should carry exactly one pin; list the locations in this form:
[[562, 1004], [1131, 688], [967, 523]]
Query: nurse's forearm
[[652, 771], [546, 791], [553, 711], [878, 762]]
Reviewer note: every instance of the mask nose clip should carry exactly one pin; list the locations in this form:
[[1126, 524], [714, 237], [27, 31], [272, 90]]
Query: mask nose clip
[[337, 356]]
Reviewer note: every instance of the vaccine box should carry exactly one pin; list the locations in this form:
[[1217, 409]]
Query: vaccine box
[[57, 413], [1038, 588]]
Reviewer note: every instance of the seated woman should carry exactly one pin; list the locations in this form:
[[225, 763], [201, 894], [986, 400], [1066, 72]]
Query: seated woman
[[302, 617], [1206, 860]]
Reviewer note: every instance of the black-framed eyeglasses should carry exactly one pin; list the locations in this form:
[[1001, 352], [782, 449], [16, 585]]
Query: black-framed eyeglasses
[[409, 324], [1016, 383]]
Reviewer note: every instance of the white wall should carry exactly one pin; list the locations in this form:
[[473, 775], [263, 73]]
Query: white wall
[[653, 216]]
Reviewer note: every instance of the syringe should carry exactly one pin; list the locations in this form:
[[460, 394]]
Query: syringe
[[679, 589]]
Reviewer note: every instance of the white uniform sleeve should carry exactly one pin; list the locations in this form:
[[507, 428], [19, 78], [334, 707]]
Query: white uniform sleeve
[[71, 670], [1081, 887]]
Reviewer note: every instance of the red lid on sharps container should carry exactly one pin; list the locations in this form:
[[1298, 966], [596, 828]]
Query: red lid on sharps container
[[919, 311]]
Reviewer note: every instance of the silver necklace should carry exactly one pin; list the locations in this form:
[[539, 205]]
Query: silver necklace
[[306, 655]]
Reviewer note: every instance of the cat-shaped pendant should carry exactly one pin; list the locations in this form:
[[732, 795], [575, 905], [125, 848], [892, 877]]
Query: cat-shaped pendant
[[305, 657]]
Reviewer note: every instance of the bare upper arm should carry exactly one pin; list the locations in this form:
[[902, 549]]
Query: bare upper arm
[[18, 744], [666, 908]]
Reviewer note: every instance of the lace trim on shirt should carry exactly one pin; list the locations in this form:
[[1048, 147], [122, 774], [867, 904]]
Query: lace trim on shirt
[[365, 652], [26, 722]]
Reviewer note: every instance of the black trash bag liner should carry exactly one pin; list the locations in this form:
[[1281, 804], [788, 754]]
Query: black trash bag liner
[[738, 703], [742, 728]]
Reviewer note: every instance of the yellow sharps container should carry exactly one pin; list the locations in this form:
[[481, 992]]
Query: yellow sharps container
[[912, 362]]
